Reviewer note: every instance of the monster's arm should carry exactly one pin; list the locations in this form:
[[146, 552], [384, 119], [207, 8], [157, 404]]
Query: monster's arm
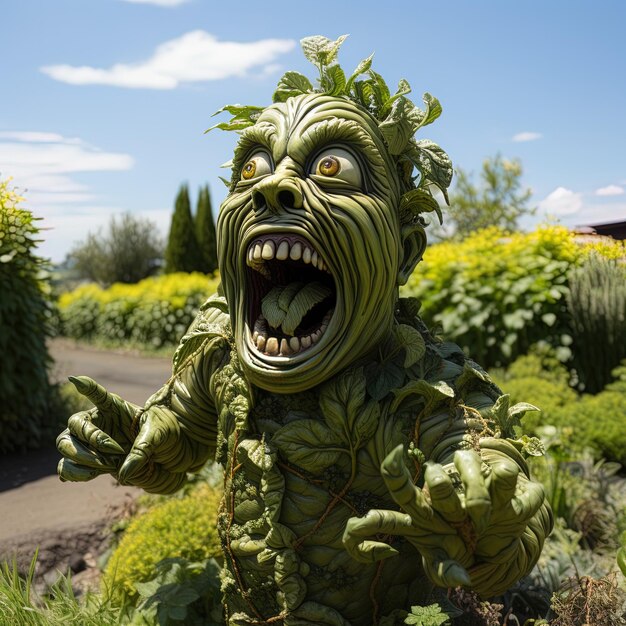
[[154, 446], [478, 520]]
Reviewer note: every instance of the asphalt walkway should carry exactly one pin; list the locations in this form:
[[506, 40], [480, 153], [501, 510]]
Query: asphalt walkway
[[35, 506]]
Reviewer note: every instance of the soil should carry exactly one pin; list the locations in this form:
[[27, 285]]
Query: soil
[[69, 523]]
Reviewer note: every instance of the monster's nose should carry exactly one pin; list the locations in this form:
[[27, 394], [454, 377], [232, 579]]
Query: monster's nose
[[278, 193]]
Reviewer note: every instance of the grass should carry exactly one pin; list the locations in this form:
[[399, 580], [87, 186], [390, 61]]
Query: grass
[[21, 606]]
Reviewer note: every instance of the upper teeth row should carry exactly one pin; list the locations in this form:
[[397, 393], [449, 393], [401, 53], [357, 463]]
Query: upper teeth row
[[264, 251]]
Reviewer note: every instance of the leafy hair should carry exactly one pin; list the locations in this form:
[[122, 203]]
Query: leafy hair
[[398, 120]]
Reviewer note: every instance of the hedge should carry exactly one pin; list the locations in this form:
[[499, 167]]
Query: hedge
[[497, 293], [154, 312]]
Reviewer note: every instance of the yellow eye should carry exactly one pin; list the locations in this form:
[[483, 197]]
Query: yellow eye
[[338, 164], [259, 164], [248, 170], [328, 166]]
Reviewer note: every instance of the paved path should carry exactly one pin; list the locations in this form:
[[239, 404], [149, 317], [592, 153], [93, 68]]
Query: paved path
[[34, 503]]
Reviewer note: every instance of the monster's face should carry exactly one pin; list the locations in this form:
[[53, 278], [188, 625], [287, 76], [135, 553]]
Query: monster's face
[[310, 246]]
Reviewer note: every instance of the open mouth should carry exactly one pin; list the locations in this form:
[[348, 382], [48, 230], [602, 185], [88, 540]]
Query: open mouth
[[291, 295]]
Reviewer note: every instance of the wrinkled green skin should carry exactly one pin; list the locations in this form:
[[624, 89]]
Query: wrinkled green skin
[[326, 517]]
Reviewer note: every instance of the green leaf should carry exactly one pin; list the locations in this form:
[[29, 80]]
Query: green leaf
[[422, 392], [305, 443], [500, 411], [521, 408], [403, 89], [470, 377], [396, 129], [240, 110], [433, 110], [411, 341], [416, 202], [270, 308], [431, 615], [366, 423], [321, 50], [311, 47], [364, 93], [533, 446], [341, 399], [548, 319], [379, 89], [292, 84], [433, 163], [235, 124], [384, 378], [361, 68], [328, 53], [304, 300], [333, 81]]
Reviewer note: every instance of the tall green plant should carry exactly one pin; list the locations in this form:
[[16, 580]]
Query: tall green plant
[[25, 393], [596, 301], [182, 253], [205, 232]]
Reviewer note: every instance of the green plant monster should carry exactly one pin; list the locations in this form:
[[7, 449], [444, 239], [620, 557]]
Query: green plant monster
[[366, 461]]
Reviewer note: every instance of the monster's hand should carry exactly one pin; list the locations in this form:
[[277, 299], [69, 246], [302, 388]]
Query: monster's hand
[[484, 532], [137, 447]]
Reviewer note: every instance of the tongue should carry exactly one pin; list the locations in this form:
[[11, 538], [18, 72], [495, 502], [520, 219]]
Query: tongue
[[285, 306]]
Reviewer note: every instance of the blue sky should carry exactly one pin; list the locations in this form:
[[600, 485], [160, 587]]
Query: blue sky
[[104, 102]]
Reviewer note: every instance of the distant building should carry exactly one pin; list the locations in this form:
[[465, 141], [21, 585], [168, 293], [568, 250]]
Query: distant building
[[615, 230]]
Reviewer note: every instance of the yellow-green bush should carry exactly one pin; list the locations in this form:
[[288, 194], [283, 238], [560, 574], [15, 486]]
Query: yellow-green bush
[[497, 293], [155, 311], [178, 527]]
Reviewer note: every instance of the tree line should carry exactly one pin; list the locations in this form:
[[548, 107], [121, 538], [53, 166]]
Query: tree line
[[131, 248]]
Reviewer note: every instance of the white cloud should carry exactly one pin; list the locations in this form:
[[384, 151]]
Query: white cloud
[[527, 136], [159, 3], [195, 57], [610, 190], [42, 164], [561, 202]]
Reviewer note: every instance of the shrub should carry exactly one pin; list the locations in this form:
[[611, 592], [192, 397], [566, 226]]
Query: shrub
[[26, 396], [596, 302], [598, 422], [130, 251], [155, 312], [496, 294], [177, 527]]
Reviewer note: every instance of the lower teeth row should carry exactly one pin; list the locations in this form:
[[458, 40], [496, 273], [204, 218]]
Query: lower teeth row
[[273, 346]]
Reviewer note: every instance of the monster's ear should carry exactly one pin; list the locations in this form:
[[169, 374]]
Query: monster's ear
[[413, 246]]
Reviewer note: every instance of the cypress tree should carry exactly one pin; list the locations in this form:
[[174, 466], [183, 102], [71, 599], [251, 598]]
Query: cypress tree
[[182, 253], [205, 232]]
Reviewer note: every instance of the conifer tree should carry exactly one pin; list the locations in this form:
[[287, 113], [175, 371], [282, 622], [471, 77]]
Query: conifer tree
[[182, 253], [205, 232]]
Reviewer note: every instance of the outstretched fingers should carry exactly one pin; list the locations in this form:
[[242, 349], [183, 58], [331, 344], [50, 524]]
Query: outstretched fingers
[[69, 470], [374, 523], [72, 449], [443, 495], [406, 495], [444, 571], [503, 482], [107, 403], [81, 426], [477, 499]]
